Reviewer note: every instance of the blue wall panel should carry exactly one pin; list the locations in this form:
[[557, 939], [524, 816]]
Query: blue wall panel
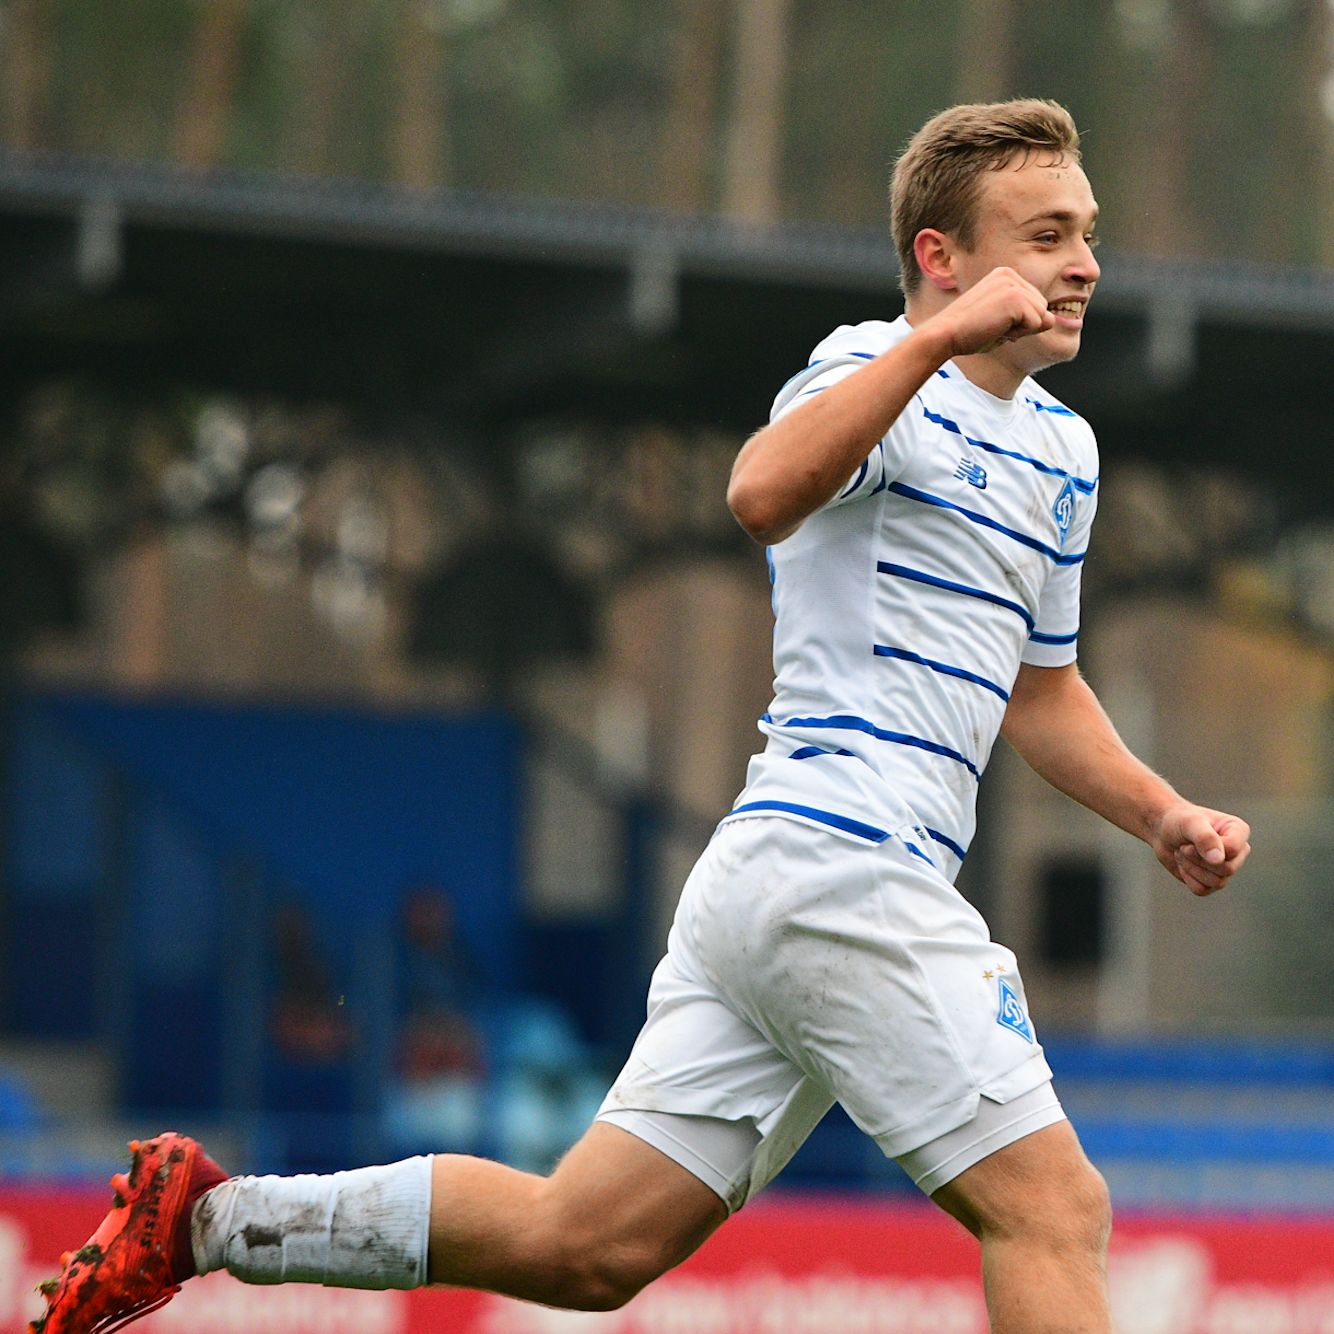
[[350, 808], [133, 822], [56, 839], [55, 849]]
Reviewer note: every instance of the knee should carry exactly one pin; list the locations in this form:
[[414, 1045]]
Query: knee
[[1073, 1213], [1090, 1210]]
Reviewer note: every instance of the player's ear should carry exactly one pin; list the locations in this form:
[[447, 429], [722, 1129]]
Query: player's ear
[[935, 258]]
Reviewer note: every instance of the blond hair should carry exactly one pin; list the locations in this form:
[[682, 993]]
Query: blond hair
[[935, 180]]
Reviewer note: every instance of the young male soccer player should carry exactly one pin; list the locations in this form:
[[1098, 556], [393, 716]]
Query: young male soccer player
[[926, 508]]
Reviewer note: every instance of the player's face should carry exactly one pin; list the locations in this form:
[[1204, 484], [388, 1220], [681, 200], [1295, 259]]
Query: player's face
[[1036, 216]]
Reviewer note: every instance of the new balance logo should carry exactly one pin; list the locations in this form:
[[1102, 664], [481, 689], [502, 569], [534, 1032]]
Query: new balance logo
[[972, 473]]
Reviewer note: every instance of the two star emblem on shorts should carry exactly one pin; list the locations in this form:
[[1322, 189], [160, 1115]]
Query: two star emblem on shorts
[[990, 973]]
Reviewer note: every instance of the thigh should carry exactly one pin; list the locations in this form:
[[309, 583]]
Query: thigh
[[1038, 1178], [735, 1158], [614, 1215], [628, 1190]]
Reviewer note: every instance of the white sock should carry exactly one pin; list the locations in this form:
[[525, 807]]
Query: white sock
[[363, 1229]]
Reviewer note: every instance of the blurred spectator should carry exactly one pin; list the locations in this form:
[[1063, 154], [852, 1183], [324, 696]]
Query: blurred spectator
[[507, 1075], [438, 1103], [437, 972], [306, 1023], [549, 1085], [309, 1078]]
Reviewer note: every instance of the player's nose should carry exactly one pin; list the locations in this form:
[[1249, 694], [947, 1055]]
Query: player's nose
[[1084, 268]]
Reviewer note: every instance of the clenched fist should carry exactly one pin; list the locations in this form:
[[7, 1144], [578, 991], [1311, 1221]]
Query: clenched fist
[[1001, 308]]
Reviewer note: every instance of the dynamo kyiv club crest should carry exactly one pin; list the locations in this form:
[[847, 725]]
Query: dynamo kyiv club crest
[[1063, 511], [1012, 1014]]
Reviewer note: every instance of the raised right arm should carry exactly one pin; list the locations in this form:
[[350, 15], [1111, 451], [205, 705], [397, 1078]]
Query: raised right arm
[[790, 468]]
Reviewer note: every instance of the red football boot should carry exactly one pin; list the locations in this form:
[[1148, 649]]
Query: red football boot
[[140, 1255]]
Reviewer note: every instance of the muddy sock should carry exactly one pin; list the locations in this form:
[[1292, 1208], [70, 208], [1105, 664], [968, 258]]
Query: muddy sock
[[207, 1176], [363, 1229]]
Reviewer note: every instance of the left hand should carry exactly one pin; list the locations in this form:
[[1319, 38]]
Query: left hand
[[1202, 848]]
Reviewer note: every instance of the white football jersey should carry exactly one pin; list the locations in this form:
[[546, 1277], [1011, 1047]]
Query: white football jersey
[[905, 606]]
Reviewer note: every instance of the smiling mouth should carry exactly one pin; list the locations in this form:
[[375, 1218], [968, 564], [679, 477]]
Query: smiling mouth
[[1071, 308]]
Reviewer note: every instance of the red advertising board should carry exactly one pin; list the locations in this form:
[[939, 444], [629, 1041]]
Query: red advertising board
[[781, 1266]]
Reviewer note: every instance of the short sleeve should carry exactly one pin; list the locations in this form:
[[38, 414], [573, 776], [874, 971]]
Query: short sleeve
[[1054, 639], [887, 456]]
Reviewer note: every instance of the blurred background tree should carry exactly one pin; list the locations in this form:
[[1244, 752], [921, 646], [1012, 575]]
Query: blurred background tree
[[1208, 121]]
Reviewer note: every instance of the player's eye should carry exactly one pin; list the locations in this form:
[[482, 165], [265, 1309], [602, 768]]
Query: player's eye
[[1091, 240], [1046, 238]]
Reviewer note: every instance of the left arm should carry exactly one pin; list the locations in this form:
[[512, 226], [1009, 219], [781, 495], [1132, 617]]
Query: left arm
[[1055, 722]]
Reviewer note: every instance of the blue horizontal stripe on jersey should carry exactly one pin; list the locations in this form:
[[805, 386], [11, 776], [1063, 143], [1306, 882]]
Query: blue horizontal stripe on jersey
[[831, 818], [945, 842], [912, 493], [1039, 638], [852, 723], [935, 581], [917, 852], [809, 752], [944, 668], [1056, 409], [1080, 483]]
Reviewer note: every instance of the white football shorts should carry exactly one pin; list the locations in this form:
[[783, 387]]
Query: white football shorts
[[804, 967]]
